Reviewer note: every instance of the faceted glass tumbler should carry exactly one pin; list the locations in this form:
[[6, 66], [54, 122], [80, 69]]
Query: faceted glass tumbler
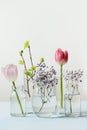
[[72, 105]]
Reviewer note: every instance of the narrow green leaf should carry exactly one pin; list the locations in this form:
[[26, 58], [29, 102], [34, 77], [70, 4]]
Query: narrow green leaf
[[42, 60], [21, 62], [26, 44], [28, 73], [33, 68]]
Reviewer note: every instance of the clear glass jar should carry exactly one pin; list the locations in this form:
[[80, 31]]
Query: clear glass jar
[[17, 101], [44, 102], [73, 79], [72, 104], [84, 107]]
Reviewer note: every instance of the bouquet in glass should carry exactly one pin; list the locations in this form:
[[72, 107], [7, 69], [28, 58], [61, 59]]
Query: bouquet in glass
[[44, 97], [29, 73], [17, 100], [72, 80]]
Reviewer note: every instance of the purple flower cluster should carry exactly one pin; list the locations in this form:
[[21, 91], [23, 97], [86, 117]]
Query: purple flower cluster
[[74, 75], [73, 78], [45, 76]]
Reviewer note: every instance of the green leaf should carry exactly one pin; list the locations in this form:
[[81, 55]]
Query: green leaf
[[42, 60], [26, 44], [33, 68], [21, 62], [28, 73], [21, 52]]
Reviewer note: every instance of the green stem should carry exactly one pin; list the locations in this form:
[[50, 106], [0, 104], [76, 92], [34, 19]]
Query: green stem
[[43, 102], [28, 91], [61, 88], [30, 56], [70, 105], [14, 88]]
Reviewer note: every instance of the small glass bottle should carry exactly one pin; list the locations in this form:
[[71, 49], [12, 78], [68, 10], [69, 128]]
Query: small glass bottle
[[17, 101], [72, 103]]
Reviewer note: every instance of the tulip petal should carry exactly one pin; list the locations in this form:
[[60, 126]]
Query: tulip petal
[[61, 57], [66, 56]]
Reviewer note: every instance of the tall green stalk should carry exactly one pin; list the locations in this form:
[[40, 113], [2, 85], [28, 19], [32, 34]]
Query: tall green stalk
[[61, 88], [18, 99]]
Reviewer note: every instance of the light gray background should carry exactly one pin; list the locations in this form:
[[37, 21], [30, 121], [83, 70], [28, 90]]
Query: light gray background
[[48, 24]]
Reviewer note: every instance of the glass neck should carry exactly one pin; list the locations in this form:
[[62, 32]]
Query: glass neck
[[72, 90]]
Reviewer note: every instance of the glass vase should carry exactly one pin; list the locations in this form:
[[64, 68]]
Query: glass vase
[[72, 100], [72, 104], [61, 110], [28, 88], [44, 102], [84, 106], [17, 102]]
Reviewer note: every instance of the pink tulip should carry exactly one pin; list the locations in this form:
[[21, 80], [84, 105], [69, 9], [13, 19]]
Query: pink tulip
[[61, 56], [10, 71]]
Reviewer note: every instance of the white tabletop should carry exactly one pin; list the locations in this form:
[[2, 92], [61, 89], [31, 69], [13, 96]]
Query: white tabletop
[[8, 122]]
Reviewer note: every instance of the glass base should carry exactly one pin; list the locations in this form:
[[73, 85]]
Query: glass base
[[44, 107], [46, 115], [73, 115], [30, 114], [61, 113], [17, 115], [84, 114]]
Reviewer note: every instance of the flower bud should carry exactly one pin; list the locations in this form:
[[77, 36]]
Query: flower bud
[[61, 56]]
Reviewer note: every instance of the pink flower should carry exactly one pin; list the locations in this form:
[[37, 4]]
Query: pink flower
[[10, 71], [61, 56]]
